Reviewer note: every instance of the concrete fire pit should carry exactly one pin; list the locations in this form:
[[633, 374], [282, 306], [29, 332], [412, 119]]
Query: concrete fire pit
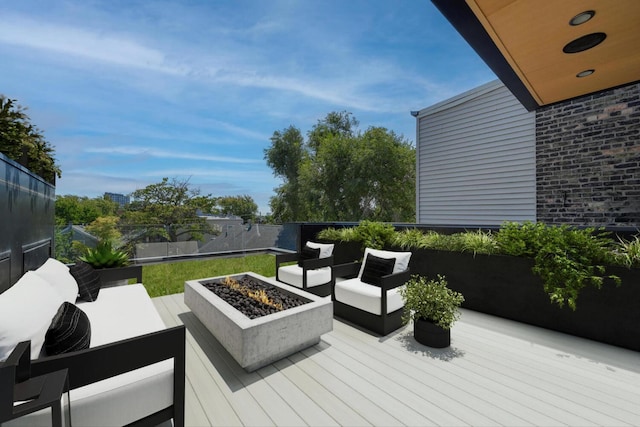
[[254, 343]]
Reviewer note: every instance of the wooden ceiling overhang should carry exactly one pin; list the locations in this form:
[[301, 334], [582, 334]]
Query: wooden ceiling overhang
[[522, 41]]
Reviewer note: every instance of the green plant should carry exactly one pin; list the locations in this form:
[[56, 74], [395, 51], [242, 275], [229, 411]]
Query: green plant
[[409, 238], [627, 252], [567, 259], [431, 300], [105, 256], [478, 242], [338, 234], [371, 234], [374, 234]]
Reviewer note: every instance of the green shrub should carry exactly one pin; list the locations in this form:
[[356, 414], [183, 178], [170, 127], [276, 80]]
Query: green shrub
[[431, 300], [374, 234], [567, 259], [478, 242]]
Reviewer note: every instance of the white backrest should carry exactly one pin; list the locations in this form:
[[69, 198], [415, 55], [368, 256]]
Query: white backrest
[[402, 259], [326, 249]]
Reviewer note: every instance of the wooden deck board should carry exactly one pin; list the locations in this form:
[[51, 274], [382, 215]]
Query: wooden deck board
[[496, 372]]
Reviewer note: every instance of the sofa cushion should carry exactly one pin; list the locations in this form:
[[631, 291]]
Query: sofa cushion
[[58, 275], [88, 281], [308, 253], [26, 310], [70, 330], [367, 297], [375, 268], [326, 249], [402, 259], [121, 312], [292, 275]]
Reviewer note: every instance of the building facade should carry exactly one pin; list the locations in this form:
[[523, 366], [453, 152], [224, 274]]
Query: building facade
[[483, 159]]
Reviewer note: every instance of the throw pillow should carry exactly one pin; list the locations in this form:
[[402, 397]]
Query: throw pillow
[[88, 281], [70, 330], [57, 274], [26, 310], [375, 268], [308, 253]]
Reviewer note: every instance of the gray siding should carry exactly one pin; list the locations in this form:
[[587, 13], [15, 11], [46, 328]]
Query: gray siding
[[476, 160]]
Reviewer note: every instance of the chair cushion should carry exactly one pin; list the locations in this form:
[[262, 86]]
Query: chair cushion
[[88, 281], [367, 297], [326, 249], [308, 253], [292, 275], [58, 275], [402, 259], [70, 330], [26, 310], [375, 268]]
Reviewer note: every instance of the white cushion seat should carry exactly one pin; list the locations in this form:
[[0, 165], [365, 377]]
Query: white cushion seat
[[292, 275], [367, 297]]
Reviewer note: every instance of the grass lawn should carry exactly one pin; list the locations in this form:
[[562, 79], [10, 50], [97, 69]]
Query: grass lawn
[[168, 278]]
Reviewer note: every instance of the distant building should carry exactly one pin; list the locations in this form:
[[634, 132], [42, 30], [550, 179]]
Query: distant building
[[121, 199]]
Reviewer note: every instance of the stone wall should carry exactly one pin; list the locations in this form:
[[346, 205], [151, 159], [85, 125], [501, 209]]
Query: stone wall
[[588, 160]]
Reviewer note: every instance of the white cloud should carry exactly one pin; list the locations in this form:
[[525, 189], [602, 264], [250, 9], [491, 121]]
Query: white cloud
[[166, 154]]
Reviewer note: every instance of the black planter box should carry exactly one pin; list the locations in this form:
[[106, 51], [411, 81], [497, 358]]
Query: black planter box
[[505, 286]]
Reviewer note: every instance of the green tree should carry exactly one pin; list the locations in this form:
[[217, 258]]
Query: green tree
[[167, 210], [82, 210], [286, 156], [25, 143], [242, 206], [343, 174]]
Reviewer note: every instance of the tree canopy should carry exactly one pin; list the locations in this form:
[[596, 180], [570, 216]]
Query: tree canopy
[[24, 143], [168, 210], [82, 210], [342, 174]]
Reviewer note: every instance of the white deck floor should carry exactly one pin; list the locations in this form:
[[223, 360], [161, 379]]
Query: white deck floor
[[496, 372]]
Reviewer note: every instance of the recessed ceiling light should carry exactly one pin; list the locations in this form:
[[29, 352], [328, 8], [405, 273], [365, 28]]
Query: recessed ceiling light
[[585, 73], [581, 18], [585, 42]]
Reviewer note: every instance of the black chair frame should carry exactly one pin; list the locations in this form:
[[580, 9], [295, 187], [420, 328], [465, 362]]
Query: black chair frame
[[322, 290], [382, 324], [106, 361]]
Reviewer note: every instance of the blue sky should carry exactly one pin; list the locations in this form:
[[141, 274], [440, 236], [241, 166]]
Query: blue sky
[[129, 92]]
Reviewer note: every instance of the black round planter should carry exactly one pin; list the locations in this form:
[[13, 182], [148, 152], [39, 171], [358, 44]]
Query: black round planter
[[430, 334]]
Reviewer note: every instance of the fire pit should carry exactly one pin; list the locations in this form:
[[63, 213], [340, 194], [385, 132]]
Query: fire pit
[[257, 342]]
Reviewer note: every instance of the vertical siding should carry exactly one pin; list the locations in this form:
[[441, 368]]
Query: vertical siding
[[476, 160]]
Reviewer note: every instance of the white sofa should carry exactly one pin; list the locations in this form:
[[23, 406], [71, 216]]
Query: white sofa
[[133, 370]]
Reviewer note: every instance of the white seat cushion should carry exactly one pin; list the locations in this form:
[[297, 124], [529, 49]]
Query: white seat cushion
[[326, 249], [402, 259], [292, 275], [118, 313], [367, 297], [58, 276]]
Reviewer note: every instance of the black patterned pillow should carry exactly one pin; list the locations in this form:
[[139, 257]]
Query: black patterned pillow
[[70, 330], [308, 253], [88, 281], [376, 267]]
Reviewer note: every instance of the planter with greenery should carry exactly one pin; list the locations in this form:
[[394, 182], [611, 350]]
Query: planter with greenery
[[577, 281], [433, 307], [111, 264]]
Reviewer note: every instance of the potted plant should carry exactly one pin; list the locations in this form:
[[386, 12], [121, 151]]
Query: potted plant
[[433, 307], [111, 264]]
